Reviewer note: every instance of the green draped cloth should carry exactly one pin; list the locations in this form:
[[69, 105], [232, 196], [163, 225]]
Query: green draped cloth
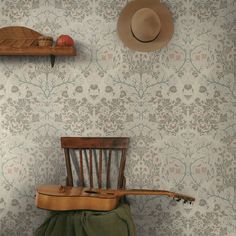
[[117, 222]]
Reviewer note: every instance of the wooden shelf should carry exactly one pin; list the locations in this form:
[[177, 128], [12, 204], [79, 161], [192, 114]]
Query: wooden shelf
[[37, 51], [22, 41]]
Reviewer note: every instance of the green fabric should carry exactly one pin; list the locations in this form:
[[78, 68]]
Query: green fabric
[[117, 222]]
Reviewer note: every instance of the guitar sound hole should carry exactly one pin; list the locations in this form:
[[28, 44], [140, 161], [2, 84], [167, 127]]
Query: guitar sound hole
[[91, 191]]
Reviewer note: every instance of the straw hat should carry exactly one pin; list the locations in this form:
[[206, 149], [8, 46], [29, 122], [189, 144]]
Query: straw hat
[[145, 25]]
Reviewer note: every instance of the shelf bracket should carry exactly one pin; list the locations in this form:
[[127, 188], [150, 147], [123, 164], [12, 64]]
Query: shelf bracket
[[52, 58]]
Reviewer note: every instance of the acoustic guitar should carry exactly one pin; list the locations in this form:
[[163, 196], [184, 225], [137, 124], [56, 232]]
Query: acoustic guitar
[[62, 198]]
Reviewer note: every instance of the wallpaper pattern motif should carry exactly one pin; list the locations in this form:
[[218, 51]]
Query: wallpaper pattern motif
[[177, 105]]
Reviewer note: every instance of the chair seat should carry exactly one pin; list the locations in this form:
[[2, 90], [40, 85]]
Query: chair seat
[[89, 223]]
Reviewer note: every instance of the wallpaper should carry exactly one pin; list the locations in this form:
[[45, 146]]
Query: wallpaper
[[177, 105]]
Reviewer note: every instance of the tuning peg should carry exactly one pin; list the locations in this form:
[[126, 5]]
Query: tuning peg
[[178, 199], [185, 201]]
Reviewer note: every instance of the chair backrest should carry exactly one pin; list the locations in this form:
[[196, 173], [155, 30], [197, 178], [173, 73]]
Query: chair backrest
[[95, 153]]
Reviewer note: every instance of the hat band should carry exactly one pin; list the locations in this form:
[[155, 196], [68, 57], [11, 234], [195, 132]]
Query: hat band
[[147, 41]]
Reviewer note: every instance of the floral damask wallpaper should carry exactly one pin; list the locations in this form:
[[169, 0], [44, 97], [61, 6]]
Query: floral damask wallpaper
[[177, 105]]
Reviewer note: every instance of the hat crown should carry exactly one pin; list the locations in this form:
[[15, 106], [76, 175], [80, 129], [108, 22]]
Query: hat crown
[[145, 25]]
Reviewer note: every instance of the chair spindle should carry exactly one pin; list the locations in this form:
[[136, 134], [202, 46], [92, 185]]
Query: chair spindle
[[91, 168], [109, 169], [81, 169], [69, 179], [100, 170], [121, 169]]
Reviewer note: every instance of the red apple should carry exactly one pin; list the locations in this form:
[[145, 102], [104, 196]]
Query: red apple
[[65, 41]]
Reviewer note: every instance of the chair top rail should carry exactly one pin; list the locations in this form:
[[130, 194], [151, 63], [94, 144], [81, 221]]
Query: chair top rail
[[95, 142]]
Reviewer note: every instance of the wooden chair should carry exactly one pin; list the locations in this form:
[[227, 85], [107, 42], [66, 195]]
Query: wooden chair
[[96, 154]]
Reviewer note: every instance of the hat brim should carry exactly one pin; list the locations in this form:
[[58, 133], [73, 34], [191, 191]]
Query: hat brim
[[124, 26]]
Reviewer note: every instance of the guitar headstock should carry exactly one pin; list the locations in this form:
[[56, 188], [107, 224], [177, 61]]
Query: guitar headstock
[[186, 199]]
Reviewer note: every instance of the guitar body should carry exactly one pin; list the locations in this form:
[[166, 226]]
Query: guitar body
[[63, 198], [73, 198]]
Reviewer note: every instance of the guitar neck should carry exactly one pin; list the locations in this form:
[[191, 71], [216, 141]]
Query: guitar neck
[[123, 192]]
